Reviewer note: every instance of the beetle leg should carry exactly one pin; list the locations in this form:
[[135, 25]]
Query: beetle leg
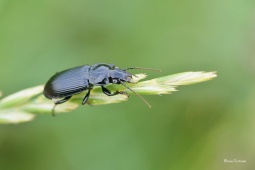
[[63, 100], [86, 98], [125, 93], [59, 102], [108, 93]]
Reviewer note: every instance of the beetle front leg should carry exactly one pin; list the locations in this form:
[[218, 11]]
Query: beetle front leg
[[108, 93]]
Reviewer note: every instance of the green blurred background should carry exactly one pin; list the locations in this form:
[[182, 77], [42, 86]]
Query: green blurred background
[[195, 128]]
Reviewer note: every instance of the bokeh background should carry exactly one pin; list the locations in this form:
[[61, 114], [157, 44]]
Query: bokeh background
[[195, 128]]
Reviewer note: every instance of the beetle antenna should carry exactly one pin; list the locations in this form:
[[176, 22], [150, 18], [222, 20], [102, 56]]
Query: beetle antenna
[[140, 68], [137, 94]]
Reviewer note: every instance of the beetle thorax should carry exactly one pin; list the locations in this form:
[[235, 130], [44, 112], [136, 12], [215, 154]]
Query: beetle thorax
[[99, 76]]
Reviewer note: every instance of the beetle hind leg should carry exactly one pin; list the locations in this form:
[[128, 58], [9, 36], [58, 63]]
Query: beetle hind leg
[[63, 100], [59, 102]]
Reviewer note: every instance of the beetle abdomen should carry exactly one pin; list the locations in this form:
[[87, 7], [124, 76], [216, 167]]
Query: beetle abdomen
[[67, 83]]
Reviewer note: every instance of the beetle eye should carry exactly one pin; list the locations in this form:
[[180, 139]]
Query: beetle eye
[[115, 81]]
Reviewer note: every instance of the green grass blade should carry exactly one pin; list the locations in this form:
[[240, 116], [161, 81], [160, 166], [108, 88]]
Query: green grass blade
[[23, 105]]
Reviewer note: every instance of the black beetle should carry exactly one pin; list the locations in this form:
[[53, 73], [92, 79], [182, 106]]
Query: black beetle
[[63, 85]]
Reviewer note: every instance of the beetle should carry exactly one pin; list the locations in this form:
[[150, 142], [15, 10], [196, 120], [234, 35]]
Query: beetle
[[63, 85]]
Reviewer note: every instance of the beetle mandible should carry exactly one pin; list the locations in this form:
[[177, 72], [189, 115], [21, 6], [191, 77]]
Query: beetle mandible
[[63, 85]]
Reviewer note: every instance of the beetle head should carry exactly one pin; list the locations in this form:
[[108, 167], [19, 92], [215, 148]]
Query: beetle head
[[118, 75]]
